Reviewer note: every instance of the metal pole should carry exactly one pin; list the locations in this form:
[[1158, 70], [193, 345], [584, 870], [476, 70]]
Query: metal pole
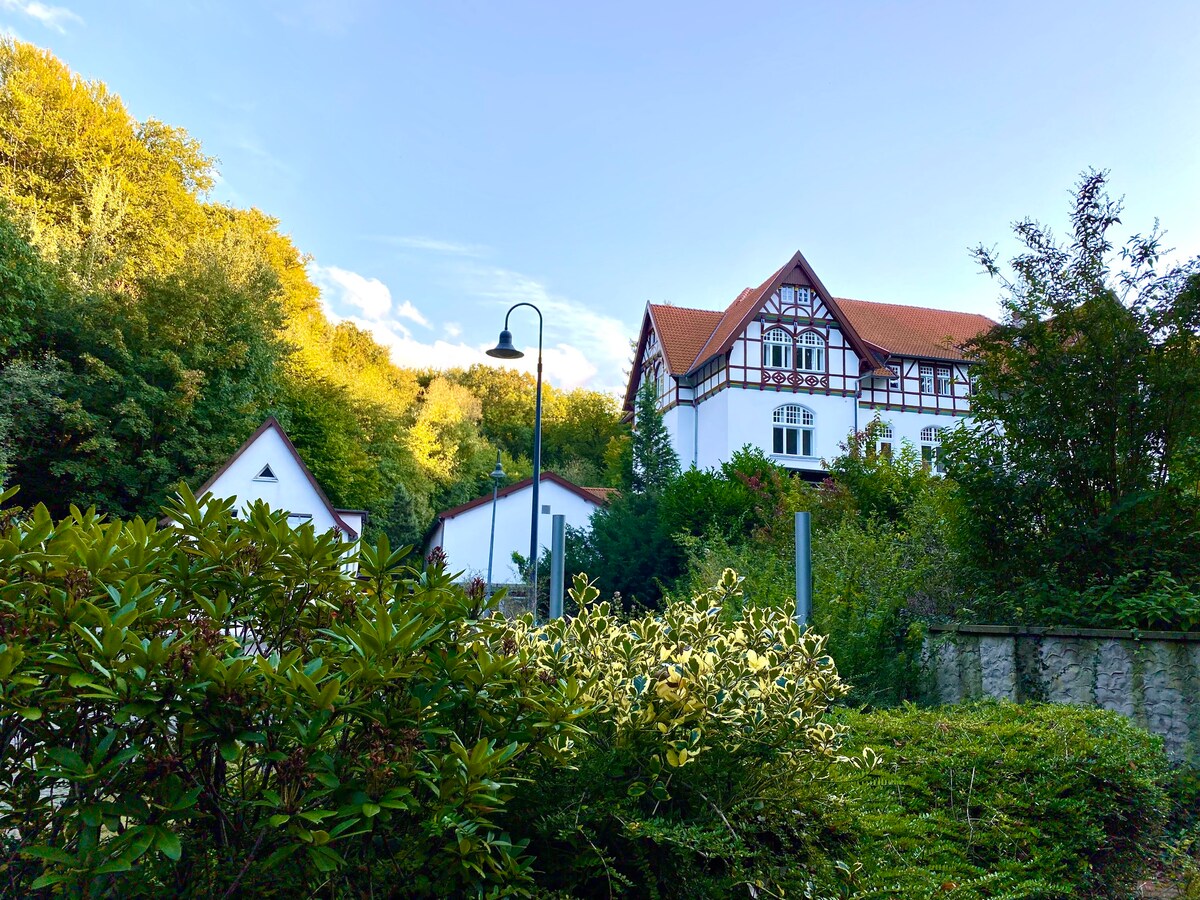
[[492, 541], [558, 527], [537, 473], [803, 569]]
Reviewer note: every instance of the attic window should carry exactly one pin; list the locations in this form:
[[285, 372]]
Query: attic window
[[267, 474]]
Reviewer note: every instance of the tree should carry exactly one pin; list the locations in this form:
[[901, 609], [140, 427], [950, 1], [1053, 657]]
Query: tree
[[655, 462], [630, 549], [1081, 466]]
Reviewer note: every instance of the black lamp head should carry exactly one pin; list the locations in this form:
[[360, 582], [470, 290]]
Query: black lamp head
[[505, 349], [498, 472]]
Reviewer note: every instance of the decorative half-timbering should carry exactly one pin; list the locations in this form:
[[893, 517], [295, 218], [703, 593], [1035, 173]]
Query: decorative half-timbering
[[792, 369]]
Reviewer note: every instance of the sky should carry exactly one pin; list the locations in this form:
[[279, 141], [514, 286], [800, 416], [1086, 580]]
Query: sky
[[442, 161]]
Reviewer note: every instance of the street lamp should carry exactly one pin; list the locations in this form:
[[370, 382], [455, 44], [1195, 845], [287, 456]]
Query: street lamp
[[505, 350], [497, 476]]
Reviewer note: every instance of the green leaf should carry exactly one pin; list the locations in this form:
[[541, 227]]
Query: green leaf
[[370, 810], [168, 843], [49, 879]]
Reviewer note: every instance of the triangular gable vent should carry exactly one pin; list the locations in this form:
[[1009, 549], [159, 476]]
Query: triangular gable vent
[[267, 474]]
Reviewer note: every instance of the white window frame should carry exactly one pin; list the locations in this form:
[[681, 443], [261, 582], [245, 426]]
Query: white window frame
[[931, 448], [794, 428], [944, 381], [777, 345], [926, 372], [810, 352], [886, 437]]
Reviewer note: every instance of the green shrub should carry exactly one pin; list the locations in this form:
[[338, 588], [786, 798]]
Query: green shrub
[[219, 708], [1000, 800], [705, 771]]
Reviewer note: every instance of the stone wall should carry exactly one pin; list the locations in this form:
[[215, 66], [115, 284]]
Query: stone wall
[[1151, 677]]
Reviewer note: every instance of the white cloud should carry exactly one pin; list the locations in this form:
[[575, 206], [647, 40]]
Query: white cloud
[[582, 347], [56, 17], [340, 287], [602, 341], [565, 366], [432, 245]]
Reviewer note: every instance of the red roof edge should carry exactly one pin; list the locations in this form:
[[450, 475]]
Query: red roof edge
[[571, 486], [273, 423], [766, 289]]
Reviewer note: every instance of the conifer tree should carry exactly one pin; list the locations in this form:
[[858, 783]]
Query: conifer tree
[[655, 461]]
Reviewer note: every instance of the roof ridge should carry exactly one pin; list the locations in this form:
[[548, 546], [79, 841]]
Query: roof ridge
[[957, 312], [686, 308]]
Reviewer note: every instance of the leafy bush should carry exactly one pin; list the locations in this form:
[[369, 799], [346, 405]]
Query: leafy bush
[[705, 769], [1136, 599], [999, 800], [218, 708]]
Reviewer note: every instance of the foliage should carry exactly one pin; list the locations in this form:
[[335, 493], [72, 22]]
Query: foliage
[[145, 332], [1081, 467], [999, 800], [704, 769], [884, 486], [655, 462], [217, 708]]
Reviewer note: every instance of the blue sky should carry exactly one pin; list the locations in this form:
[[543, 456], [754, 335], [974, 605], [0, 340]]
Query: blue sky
[[441, 161]]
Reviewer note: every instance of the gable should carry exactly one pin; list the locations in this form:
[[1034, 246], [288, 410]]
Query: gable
[[268, 468], [751, 302], [550, 483]]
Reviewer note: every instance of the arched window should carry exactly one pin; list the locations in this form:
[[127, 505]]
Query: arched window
[[810, 352], [884, 437], [931, 448], [777, 349], [793, 432]]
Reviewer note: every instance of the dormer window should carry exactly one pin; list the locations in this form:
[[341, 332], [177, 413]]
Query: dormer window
[[777, 349], [926, 378], [267, 474], [810, 352]]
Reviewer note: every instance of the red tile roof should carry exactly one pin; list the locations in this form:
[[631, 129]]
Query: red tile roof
[[745, 303], [601, 493], [691, 337], [914, 330], [682, 332]]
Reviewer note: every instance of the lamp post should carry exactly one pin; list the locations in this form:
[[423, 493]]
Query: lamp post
[[504, 349], [497, 476]]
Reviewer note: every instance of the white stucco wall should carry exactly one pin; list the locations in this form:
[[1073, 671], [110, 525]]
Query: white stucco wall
[[464, 538], [738, 416], [680, 423], [290, 491]]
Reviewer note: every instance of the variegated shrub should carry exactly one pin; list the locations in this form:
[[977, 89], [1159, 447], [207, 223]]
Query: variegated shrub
[[705, 761]]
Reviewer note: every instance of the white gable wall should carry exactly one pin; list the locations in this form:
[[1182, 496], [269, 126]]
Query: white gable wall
[[464, 538], [291, 490]]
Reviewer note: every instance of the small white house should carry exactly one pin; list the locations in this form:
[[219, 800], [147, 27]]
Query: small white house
[[268, 468], [463, 532]]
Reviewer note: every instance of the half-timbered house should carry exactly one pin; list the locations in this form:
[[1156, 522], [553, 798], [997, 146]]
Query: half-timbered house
[[791, 369]]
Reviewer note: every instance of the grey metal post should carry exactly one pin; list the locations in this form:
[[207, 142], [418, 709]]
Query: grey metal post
[[558, 529], [803, 569]]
